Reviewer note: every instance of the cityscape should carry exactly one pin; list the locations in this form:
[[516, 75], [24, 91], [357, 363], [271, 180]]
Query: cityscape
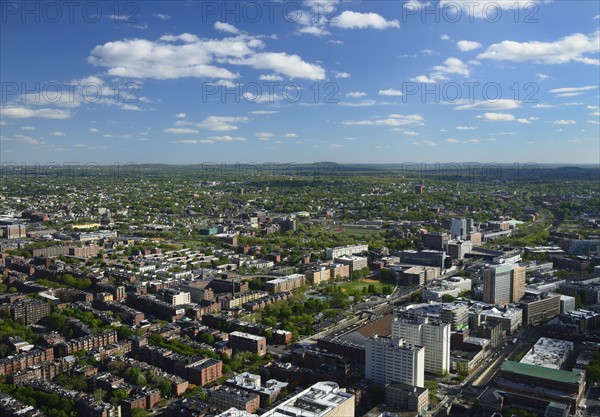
[[209, 209]]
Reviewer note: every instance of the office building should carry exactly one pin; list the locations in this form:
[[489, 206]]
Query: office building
[[503, 284], [240, 341], [407, 397], [391, 359], [433, 335], [538, 306]]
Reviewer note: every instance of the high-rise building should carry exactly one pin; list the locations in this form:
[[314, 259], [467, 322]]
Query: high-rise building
[[504, 283], [497, 284], [390, 359], [458, 229], [432, 335], [518, 283]]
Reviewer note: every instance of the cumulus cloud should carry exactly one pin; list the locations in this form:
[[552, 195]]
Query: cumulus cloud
[[453, 66], [339, 74], [57, 134], [423, 79], [355, 20], [188, 56], [466, 46], [390, 92], [466, 127], [226, 27], [570, 48], [180, 115], [564, 122]]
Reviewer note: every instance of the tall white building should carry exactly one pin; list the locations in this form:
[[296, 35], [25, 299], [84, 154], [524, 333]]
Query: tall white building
[[389, 359], [458, 229], [433, 335]]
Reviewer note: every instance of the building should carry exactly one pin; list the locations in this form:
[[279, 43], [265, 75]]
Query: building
[[29, 311], [336, 252], [355, 263], [420, 275], [252, 383], [457, 249], [536, 383], [407, 397], [433, 335], [434, 258], [549, 353], [567, 304], [391, 359], [435, 241], [503, 284], [240, 341], [323, 399], [225, 397], [510, 318], [457, 315], [285, 284], [538, 306]]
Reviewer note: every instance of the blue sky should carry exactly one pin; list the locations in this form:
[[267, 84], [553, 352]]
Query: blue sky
[[300, 81]]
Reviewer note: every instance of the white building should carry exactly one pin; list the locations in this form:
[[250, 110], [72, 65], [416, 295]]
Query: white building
[[323, 399], [390, 359], [345, 250], [433, 335]]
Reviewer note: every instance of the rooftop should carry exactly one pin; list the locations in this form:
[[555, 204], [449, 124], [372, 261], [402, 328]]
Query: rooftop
[[535, 371]]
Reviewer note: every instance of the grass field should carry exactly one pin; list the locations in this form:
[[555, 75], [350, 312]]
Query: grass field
[[358, 285]]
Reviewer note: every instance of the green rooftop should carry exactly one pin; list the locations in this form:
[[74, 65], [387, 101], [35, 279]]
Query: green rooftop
[[535, 371]]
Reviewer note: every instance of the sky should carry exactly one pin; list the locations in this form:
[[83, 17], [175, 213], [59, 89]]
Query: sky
[[186, 82]]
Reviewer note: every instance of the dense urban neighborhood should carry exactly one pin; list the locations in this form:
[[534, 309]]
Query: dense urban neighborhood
[[347, 291]]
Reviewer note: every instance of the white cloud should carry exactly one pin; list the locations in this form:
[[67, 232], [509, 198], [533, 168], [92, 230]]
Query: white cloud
[[180, 131], [314, 30], [594, 122], [335, 42], [452, 140], [221, 123], [501, 104], [355, 94], [354, 20], [362, 103], [445, 37], [24, 113], [28, 140], [543, 106], [270, 77], [161, 16], [227, 139], [226, 27], [497, 117], [390, 92], [391, 120], [290, 135], [290, 65], [57, 134], [188, 56], [339, 74], [423, 79], [94, 130], [571, 90], [264, 112], [336, 146], [542, 77], [183, 123], [264, 135], [107, 136], [564, 122], [30, 128], [466, 127], [453, 66], [429, 52], [466, 46], [180, 115], [570, 48]]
